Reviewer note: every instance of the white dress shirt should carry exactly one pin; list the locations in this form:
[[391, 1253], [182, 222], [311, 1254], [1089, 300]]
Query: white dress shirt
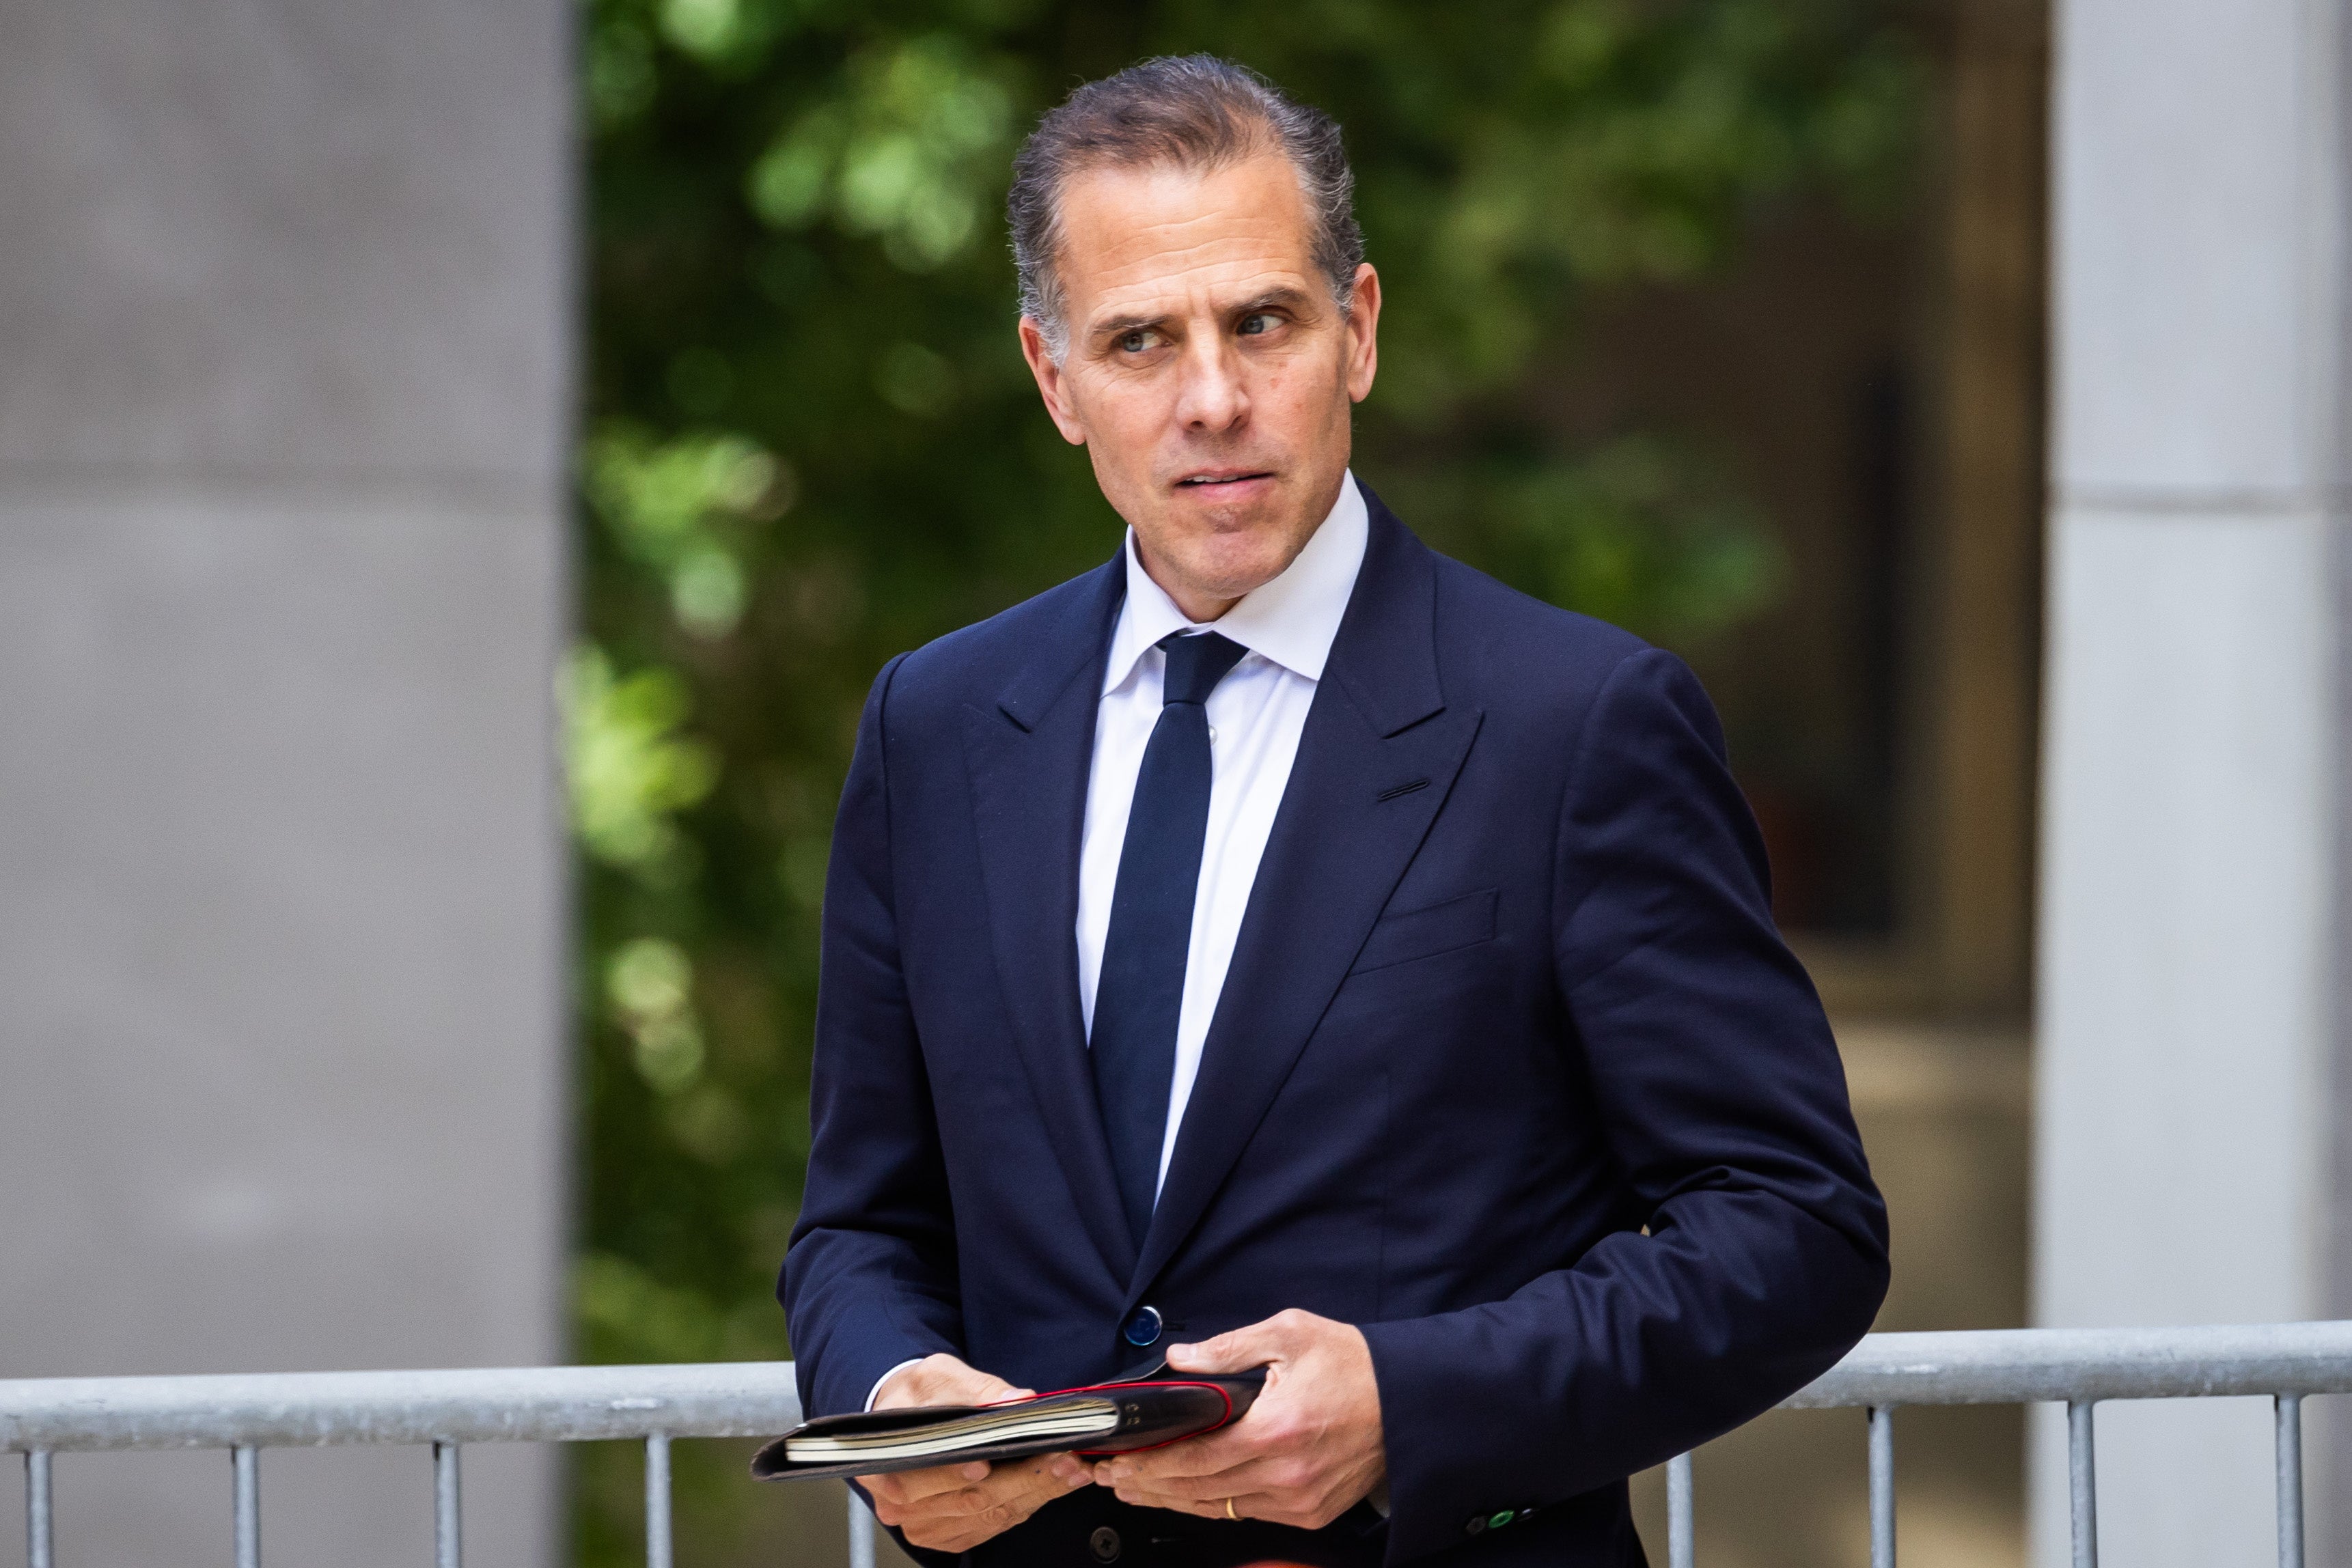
[[1256, 716]]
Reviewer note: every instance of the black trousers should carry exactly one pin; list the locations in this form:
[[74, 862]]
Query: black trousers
[[1092, 1529]]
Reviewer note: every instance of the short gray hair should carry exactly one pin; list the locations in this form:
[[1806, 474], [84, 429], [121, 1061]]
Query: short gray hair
[[1196, 112]]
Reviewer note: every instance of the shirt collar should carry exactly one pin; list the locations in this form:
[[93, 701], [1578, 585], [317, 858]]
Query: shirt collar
[[1290, 620]]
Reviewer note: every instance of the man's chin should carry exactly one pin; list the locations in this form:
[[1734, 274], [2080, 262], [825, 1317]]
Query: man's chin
[[1229, 573], [1223, 551], [1261, 510]]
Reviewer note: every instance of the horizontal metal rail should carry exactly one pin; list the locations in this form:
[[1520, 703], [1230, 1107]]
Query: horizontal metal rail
[[308, 1409], [655, 1405], [2022, 1366]]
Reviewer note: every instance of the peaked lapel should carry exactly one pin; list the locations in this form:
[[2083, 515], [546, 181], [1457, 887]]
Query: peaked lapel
[[1029, 754], [1337, 850]]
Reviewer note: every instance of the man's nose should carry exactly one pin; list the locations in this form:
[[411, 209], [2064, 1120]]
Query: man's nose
[[1210, 396]]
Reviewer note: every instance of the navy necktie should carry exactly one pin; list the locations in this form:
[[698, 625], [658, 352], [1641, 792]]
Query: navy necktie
[[1141, 991]]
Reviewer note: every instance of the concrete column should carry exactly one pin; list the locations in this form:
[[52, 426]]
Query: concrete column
[[2192, 944], [284, 307]]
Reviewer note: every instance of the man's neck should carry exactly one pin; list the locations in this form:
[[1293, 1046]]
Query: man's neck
[[1200, 611], [1198, 607]]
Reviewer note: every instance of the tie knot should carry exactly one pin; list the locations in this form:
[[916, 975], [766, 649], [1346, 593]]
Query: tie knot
[[1195, 665]]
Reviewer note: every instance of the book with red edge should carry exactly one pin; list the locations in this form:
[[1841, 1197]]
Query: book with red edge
[[1138, 1411]]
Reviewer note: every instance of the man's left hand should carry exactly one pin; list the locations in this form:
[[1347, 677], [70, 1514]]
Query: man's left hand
[[1306, 1453]]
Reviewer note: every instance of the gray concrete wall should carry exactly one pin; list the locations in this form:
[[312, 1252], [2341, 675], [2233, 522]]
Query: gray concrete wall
[[284, 385], [2193, 945]]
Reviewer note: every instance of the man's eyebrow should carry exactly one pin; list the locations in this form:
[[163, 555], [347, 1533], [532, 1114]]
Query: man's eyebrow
[[1120, 326], [1284, 298]]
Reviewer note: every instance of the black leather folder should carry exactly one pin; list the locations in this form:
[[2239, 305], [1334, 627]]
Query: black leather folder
[[1104, 1419]]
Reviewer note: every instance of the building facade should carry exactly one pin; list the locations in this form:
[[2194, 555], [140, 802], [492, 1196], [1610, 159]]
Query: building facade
[[284, 328]]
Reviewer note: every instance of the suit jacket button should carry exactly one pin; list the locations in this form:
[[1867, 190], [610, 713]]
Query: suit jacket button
[[1141, 1329], [1103, 1543]]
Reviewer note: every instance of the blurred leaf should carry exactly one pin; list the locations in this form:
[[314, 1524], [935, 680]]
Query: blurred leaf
[[910, 147], [1645, 534], [630, 772]]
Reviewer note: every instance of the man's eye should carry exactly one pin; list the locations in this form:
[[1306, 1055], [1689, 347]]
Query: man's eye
[[1135, 342], [1251, 326]]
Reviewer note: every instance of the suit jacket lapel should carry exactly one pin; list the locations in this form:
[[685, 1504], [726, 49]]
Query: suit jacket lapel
[[1338, 849], [1029, 755]]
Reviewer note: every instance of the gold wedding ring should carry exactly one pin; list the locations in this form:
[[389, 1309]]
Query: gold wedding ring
[[1230, 1513]]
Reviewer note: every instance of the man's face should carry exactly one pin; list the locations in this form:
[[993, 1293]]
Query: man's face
[[1209, 373]]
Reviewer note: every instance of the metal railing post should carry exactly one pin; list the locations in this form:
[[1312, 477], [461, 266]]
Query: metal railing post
[[1682, 1549], [245, 1468], [2082, 1483], [1881, 1485], [2290, 1481], [449, 1549], [861, 1531], [658, 1541], [40, 1538]]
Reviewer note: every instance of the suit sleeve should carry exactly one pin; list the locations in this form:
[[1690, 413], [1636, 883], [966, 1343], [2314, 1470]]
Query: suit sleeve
[[869, 1280], [1724, 1103]]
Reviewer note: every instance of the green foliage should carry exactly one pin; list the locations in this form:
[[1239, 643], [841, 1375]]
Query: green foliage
[[1642, 530], [812, 444]]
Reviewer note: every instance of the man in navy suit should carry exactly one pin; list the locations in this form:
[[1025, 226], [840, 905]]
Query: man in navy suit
[[1285, 946]]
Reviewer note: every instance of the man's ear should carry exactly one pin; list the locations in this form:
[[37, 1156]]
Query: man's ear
[[1363, 332], [1051, 383]]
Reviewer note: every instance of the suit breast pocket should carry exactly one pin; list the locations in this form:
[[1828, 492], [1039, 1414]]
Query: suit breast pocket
[[1425, 933]]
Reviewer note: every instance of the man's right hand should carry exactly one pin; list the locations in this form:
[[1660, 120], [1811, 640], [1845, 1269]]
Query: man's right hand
[[954, 1508]]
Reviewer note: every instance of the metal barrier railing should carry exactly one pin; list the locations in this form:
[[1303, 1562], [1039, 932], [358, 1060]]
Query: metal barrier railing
[[445, 1410], [2080, 1368]]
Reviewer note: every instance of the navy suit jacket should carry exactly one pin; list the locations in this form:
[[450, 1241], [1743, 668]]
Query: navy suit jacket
[[1511, 1069]]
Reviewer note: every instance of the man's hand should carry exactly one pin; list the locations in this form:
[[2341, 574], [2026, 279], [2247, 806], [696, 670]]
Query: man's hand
[[1306, 1453], [954, 1508]]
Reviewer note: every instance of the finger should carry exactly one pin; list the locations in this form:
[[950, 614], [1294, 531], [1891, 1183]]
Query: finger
[[1040, 1478], [907, 1487], [1192, 1489], [1206, 1455], [955, 1522], [1235, 1351], [1027, 1484], [963, 1533], [955, 1491], [950, 1507], [1246, 1505], [944, 1510], [1266, 1508], [1262, 1475]]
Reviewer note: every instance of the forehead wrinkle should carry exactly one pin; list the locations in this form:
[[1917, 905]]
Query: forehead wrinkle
[[1163, 247], [1243, 263], [1224, 223]]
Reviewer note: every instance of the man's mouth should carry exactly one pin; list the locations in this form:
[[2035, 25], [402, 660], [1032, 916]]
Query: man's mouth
[[1231, 476]]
